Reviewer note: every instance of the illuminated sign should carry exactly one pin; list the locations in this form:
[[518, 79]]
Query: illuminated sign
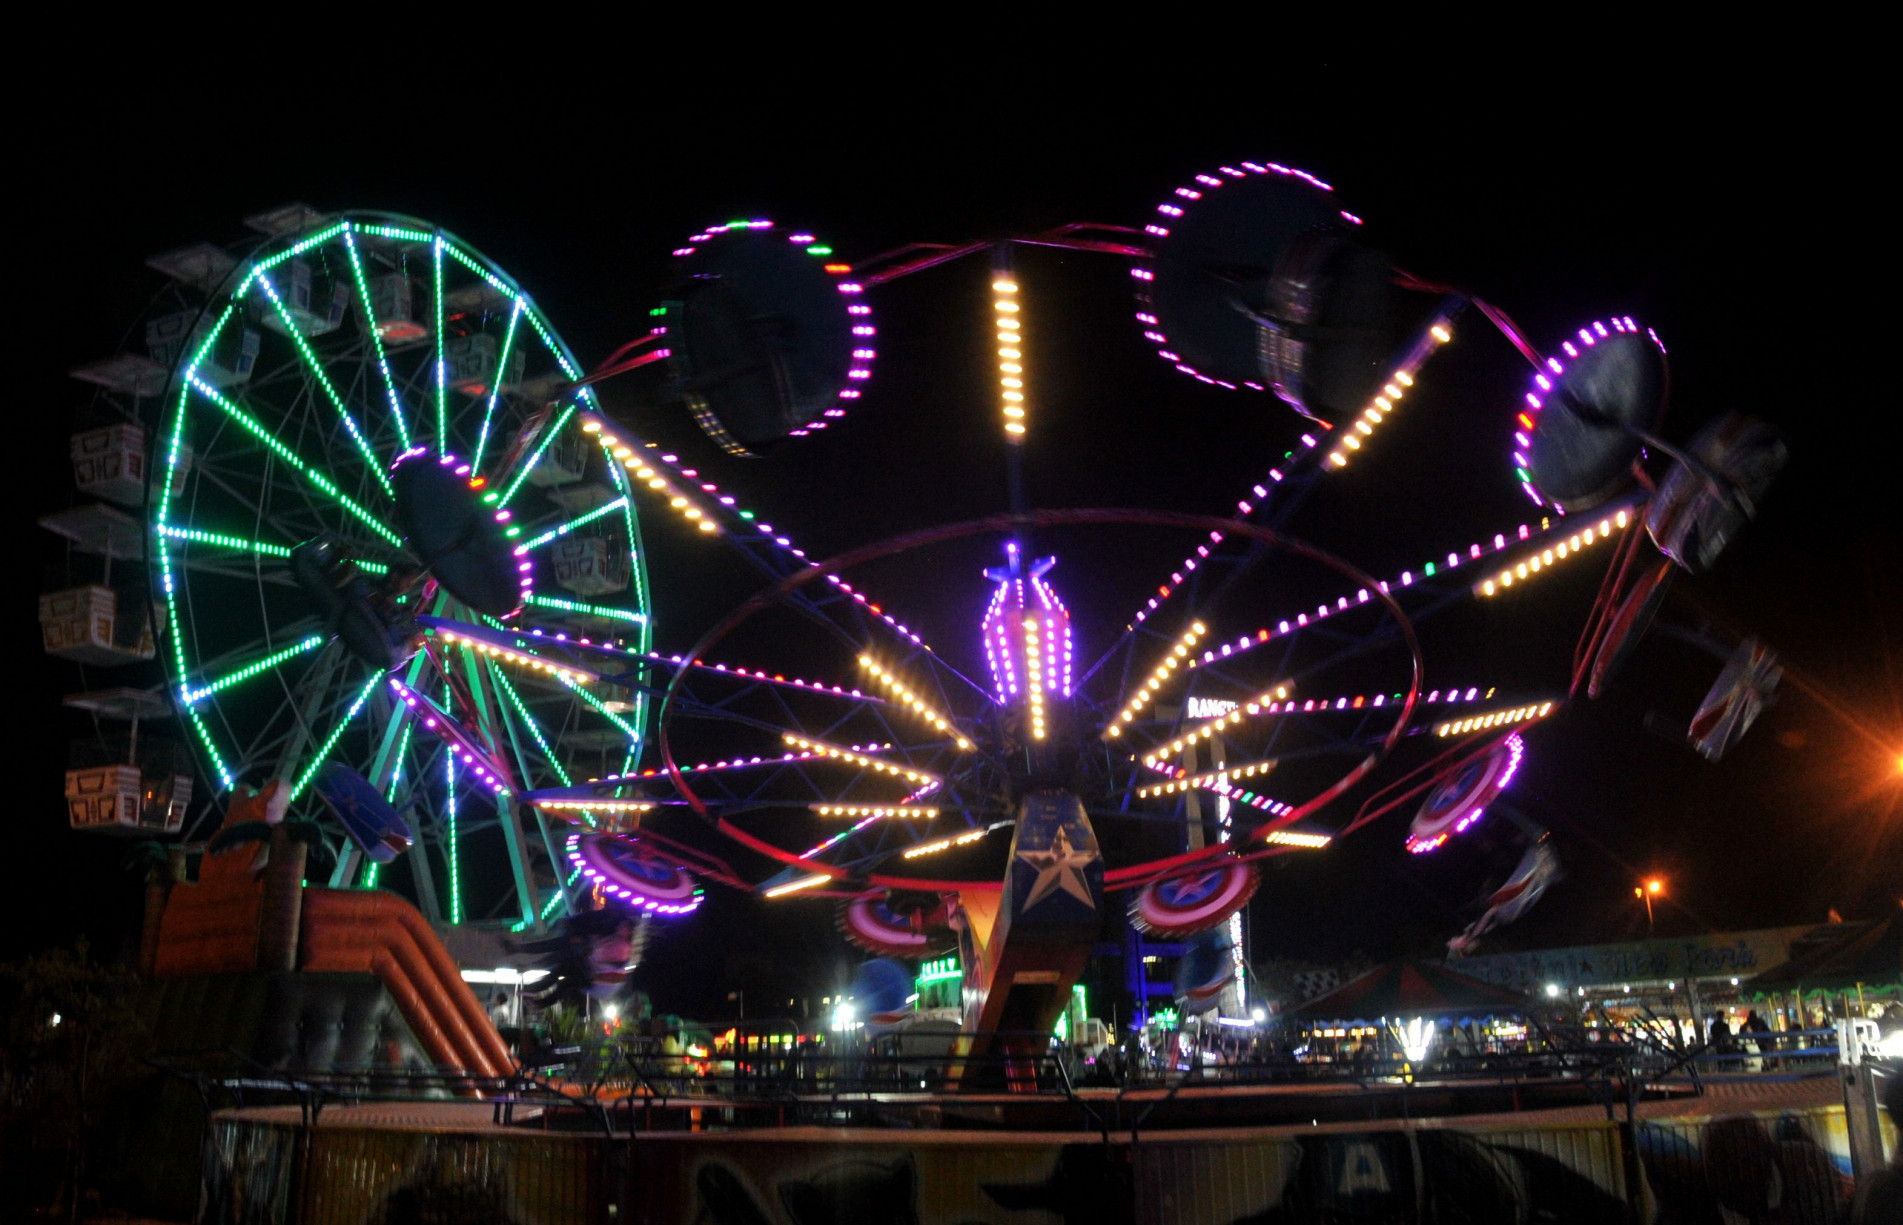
[[1209, 708]]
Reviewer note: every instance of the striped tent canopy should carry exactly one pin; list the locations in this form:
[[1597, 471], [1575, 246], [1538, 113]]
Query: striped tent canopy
[[1412, 989]]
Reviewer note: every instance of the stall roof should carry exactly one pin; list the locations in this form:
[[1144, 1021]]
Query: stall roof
[[1868, 955], [1412, 989]]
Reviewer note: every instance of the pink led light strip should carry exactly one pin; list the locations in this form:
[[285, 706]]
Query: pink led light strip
[[1274, 808], [1433, 336], [737, 763], [735, 670], [1407, 578], [728, 503]]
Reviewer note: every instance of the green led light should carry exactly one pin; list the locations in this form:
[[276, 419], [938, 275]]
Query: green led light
[[645, 638], [495, 282], [561, 359], [659, 310], [744, 514], [442, 370], [376, 339], [284, 453], [450, 850], [291, 252], [548, 436], [554, 900], [1427, 571], [521, 708], [336, 734], [171, 455], [579, 521], [939, 970], [502, 364], [396, 232], [223, 541], [819, 250], [595, 702], [191, 697], [337, 401], [591, 610]]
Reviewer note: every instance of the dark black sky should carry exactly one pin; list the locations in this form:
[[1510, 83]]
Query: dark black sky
[[1741, 222]]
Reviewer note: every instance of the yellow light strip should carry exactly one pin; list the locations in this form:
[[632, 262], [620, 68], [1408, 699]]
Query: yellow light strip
[[1254, 706], [1210, 779], [1546, 558], [944, 844], [859, 759], [650, 476], [1158, 675], [595, 805], [1287, 837], [1355, 430], [515, 657], [874, 810], [1498, 718], [796, 886], [916, 703], [1010, 357]]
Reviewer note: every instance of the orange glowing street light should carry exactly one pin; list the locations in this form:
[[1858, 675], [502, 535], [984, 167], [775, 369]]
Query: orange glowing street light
[[1653, 887]]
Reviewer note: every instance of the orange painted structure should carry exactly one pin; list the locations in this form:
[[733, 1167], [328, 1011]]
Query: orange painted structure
[[250, 910]]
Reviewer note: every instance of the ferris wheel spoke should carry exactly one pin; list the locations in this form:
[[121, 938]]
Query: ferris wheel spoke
[[237, 544], [310, 474], [316, 369], [376, 338], [192, 695], [441, 380], [564, 529], [492, 727], [336, 733], [502, 363], [534, 456], [633, 734]]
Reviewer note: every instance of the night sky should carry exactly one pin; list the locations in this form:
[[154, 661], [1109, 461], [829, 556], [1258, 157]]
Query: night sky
[[1744, 261]]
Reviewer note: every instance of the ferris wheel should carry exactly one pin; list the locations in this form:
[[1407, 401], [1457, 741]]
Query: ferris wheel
[[368, 424]]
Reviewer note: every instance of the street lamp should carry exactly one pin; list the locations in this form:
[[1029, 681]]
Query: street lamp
[[1655, 887]]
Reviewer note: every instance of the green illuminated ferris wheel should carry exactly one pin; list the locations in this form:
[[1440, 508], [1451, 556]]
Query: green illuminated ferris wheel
[[330, 366]]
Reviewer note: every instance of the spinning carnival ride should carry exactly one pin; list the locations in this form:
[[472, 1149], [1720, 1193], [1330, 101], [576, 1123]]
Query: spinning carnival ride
[[407, 543]]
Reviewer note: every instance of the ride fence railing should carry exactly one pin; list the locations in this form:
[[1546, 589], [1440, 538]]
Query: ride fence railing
[[640, 1084]]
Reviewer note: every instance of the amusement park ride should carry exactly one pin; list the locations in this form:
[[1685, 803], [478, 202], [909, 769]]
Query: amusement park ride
[[385, 542]]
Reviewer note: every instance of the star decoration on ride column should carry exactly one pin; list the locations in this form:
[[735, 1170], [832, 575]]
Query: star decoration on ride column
[[1060, 867]]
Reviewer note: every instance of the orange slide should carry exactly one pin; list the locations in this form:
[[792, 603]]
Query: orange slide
[[360, 930]]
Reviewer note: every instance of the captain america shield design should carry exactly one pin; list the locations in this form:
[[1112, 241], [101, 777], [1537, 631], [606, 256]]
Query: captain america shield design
[[629, 873], [1185, 905], [1459, 801]]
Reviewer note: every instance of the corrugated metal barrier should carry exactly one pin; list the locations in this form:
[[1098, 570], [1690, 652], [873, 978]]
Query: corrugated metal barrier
[[1788, 1167]]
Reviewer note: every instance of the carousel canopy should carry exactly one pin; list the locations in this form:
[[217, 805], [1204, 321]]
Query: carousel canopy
[[1412, 989], [1870, 955]]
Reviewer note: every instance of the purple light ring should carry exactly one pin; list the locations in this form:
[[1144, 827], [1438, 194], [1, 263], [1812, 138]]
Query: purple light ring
[[1549, 371], [859, 368], [586, 851], [1171, 210]]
